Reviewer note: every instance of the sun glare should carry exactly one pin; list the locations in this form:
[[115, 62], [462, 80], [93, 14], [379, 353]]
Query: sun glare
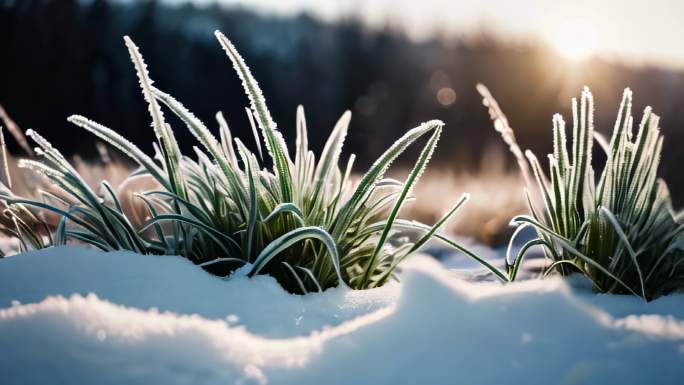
[[575, 39]]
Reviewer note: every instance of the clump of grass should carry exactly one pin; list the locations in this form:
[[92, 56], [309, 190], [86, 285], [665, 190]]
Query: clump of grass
[[303, 221], [620, 230]]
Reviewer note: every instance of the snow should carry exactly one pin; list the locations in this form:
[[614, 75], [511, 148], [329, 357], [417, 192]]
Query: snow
[[73, 316], [173, 284]]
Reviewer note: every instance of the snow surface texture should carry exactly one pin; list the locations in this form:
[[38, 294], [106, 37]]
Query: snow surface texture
[[161, 320]]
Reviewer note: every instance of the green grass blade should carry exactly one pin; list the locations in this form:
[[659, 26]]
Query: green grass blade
[[122, 144], [286, 208], [623, 238], [273, 138], [413, 177], [377, 170], [165, 137], [438, 225], [285, 241]]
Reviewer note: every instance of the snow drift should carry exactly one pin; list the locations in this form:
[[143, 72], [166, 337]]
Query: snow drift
[[72, 316]]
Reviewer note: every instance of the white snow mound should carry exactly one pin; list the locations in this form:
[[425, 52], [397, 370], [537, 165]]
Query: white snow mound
[[121, 318]]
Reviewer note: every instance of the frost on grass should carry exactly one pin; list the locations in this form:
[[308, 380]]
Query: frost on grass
[[221, 215], [429, 329]]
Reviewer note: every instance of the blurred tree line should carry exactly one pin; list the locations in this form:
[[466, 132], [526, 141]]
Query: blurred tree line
[[66, 56]]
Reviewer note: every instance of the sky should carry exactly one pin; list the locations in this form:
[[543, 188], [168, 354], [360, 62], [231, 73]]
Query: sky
[[638, 32]]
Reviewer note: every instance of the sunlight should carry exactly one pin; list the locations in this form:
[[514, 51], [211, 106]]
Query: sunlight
[[575, 39]]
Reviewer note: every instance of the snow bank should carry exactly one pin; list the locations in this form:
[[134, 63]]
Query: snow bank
[[170, 283], [431, 329]]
